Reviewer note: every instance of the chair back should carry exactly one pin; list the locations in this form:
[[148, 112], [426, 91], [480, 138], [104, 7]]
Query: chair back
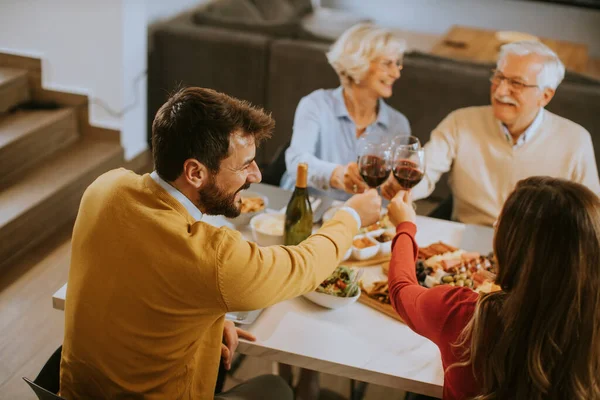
[[42, 393], [47, 384]]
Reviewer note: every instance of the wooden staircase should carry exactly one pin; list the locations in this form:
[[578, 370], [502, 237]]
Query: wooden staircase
[[48, 157]]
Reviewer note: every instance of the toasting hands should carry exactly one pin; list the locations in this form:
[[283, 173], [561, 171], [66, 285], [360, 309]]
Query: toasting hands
[[401, 209], [367, 205], [348, 179], [390, 188]]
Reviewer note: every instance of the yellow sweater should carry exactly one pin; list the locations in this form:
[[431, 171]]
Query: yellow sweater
[[148, 289]]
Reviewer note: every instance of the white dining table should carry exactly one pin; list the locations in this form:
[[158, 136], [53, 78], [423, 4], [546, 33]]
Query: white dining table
[[356, 341]]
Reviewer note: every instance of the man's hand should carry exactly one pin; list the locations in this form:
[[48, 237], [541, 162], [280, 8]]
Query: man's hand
[[367, 205], [390, 187], [347, 178], [401, 209], [231, 336]]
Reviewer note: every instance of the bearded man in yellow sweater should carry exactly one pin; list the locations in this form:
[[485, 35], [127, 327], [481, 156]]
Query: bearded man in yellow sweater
[[150, 283], [489, 149]]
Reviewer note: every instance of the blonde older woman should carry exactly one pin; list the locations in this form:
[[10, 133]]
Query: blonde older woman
[[329, 122]]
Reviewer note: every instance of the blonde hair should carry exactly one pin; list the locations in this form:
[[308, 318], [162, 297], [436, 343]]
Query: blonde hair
[[553, 70], [351, 55]]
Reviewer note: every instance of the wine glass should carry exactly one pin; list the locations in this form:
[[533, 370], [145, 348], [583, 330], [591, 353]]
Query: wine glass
[[374, 162], [408, 162]]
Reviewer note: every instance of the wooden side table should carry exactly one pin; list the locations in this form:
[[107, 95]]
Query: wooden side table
[[481, 45]]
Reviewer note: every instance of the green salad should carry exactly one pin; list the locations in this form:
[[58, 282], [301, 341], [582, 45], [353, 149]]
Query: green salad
[[341, 283]]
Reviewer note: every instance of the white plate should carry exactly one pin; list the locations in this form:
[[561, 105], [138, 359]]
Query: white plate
[[243, 318]]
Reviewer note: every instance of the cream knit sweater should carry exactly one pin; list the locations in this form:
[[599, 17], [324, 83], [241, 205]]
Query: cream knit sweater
[[484, 167]]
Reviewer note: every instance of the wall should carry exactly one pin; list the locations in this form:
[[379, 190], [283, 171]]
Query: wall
[[79, 42], [92, 47], [436, 16]]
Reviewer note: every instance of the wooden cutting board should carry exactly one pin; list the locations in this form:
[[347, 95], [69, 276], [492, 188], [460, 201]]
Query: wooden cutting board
[[386, 309], [371, 262]]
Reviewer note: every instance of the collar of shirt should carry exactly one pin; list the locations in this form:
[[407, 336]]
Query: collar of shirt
[[383, 117], [529, 132], [189, 206]]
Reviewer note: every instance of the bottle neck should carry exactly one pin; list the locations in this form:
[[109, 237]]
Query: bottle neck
[[300, 190], [302, 175]]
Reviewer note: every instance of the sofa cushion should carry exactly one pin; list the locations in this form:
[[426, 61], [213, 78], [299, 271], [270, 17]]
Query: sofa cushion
[[302, 7], [232, 10], [327, 24], [275, 10], [244, 15]]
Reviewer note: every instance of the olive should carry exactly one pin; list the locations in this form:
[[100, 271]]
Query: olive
[[468, 283], [447, 279], [460, 283], [452, 284]]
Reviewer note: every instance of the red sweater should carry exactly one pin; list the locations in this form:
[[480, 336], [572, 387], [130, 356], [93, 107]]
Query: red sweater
[[440, 313]]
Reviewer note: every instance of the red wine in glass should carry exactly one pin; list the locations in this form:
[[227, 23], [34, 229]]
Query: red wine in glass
[[407, 173], [373, 169]]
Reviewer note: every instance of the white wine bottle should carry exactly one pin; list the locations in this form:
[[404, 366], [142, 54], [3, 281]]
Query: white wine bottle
[[298, 215]]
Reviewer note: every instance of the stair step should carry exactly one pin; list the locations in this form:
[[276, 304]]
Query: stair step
[[29, 137], [14, 87], [48, 197]]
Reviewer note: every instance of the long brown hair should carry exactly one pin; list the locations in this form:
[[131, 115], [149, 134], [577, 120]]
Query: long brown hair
[[539, 337]]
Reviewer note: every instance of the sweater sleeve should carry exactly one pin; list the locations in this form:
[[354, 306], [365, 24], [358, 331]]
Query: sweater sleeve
[[251, 277], [586, 171], [440, 152], [425, 311]]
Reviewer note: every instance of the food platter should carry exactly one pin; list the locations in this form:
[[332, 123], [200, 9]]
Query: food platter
[[437, 264]]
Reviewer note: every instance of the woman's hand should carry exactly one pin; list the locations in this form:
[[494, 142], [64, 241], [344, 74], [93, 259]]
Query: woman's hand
[[390, 187], [347, 178], [401, 209]]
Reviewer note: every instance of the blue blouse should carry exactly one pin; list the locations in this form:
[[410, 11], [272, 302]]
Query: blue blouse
[[324, 137]]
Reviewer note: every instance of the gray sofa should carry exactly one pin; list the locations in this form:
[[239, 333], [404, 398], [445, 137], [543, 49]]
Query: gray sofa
[[276, 73]]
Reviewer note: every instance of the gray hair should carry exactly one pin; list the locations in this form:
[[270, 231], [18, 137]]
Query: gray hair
[[553, 70], [351, 55]]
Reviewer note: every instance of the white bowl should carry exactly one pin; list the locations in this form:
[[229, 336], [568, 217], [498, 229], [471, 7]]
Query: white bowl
[[385, 248], [367, 252], [347, 255], [265, 238], [244, 218], [331, 301]]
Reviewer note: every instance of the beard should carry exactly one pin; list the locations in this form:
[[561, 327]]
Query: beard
[[216, 202]]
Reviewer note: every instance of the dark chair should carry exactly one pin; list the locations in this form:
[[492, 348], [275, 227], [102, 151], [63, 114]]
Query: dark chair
[[443, 210], [47, 384], [274, 170]]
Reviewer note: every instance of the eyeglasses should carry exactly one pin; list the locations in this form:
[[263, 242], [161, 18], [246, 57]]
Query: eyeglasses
[[386, 64], [515, 84]]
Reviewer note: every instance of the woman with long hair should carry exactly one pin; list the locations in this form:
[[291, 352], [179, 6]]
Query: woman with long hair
[[539, 336]]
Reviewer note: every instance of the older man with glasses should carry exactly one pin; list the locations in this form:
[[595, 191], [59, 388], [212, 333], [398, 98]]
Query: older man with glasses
[[489, 149]]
